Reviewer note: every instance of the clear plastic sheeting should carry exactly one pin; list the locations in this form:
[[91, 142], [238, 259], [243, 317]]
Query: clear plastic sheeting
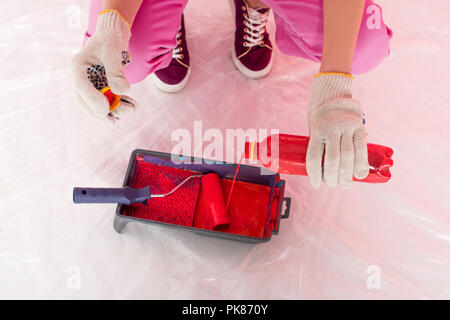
[[374, 241]]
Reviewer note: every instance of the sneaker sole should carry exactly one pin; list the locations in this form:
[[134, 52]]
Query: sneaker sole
[[170, 88], [247, 72]]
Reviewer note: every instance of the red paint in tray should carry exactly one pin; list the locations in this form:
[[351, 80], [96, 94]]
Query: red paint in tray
[[194, 206], [178, 208], [247, 210]]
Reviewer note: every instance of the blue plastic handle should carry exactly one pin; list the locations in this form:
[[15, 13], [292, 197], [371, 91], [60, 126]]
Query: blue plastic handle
[[125, 195]]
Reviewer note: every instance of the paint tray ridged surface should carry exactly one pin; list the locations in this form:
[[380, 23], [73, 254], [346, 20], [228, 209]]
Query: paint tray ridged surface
[[178, 208]]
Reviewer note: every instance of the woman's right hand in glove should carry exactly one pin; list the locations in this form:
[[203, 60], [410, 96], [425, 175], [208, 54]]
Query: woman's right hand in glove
[[99, 65]]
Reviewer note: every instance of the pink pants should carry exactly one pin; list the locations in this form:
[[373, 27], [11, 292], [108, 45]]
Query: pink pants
[[299, 32]]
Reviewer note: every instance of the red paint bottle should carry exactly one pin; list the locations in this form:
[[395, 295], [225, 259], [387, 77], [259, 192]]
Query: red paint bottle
[[284, 153]]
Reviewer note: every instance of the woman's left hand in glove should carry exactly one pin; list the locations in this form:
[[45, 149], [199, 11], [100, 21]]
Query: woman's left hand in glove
[[336, 129]]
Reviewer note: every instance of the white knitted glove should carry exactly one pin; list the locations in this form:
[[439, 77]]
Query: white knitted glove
[[336, 127], [100, 64]]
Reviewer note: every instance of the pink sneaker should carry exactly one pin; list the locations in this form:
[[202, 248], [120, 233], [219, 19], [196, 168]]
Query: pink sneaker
[[174, 77], [252, 49]]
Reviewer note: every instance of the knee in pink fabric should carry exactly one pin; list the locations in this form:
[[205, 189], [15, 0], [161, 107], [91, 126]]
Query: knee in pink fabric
[[373, 41], [146, 58], [292, 44], [153, 35], [300, 32]]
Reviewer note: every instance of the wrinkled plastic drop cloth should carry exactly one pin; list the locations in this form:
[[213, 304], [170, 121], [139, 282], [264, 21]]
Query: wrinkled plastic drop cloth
[[336, 244]]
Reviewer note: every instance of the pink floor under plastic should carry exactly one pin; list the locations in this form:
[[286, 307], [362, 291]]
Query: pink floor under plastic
[[336, 244]]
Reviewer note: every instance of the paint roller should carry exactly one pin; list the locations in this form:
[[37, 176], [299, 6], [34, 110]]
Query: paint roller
[[212, 214], [216, 216]]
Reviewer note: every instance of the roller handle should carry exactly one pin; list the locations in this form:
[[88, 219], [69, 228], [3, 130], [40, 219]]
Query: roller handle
[[125, 195]]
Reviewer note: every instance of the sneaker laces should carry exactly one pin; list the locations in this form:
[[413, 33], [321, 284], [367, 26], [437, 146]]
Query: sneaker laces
[[255, 23], [176, 53]]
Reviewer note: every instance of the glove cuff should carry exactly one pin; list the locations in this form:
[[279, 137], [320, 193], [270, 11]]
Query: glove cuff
[[112, 21], [329, 86]]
